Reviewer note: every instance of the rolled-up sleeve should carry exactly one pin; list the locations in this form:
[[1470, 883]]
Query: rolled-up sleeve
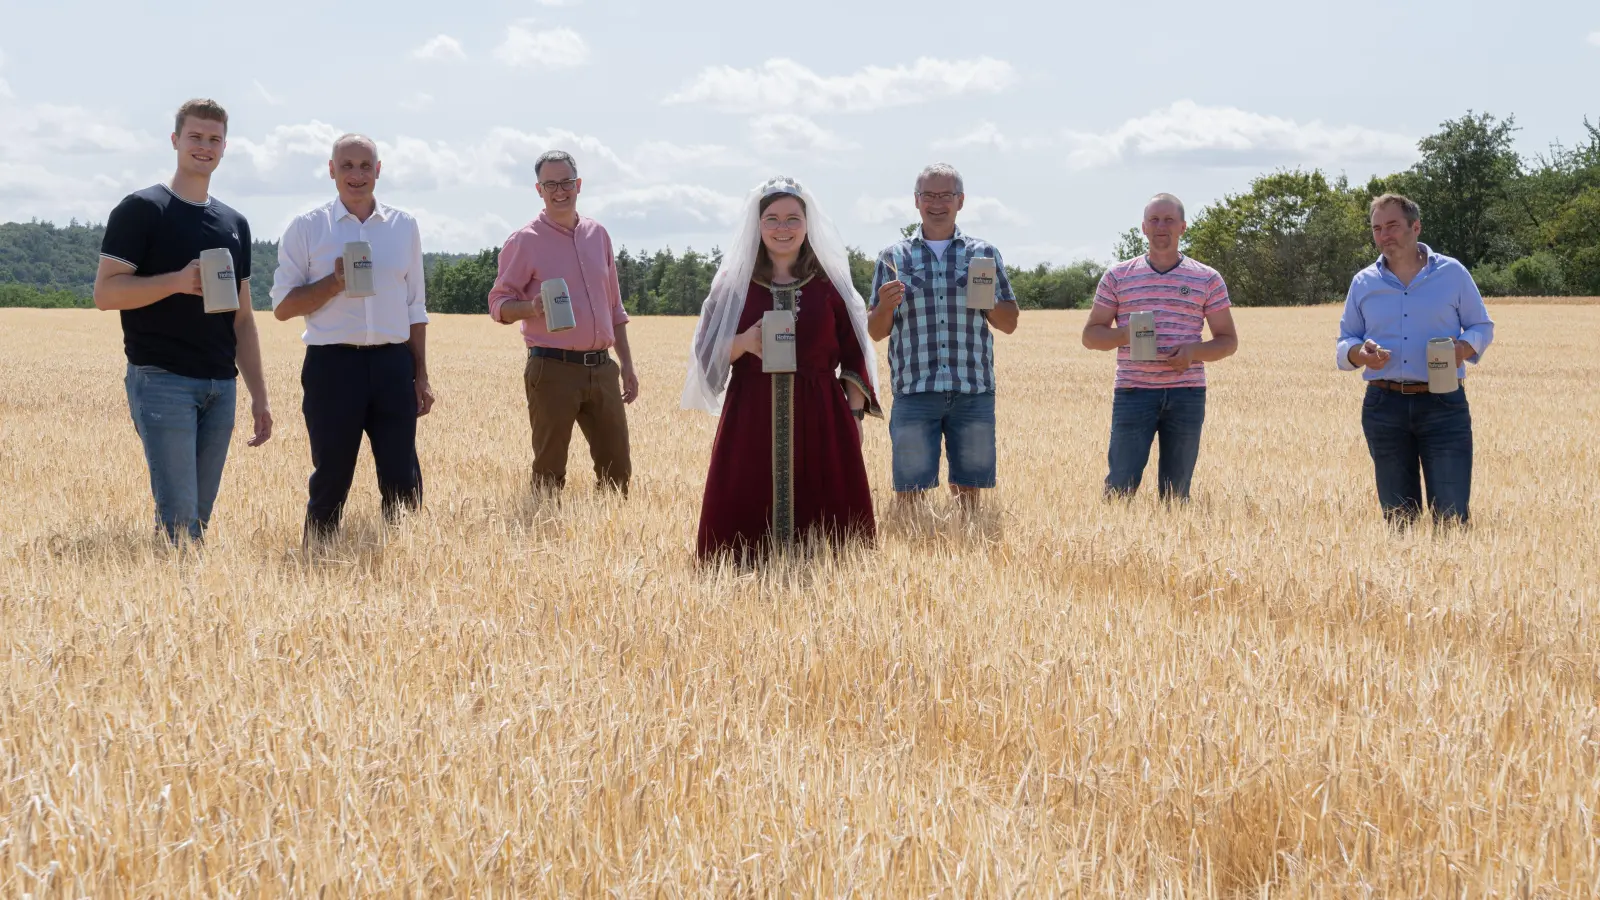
[[1002, 281], [881, 275], [619, 313], [1352, 327], [416, 280], [294, 263], [511, 275], [1477, 328]]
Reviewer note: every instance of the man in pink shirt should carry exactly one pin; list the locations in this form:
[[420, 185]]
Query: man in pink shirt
[[570, 375], [1163, 399]]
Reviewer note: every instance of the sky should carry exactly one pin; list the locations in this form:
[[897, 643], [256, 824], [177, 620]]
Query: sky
[[1063, 117]]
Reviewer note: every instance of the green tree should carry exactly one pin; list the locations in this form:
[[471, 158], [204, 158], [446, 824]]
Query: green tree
[[1294, 239], [462, 285], [1463, 184], [1130, 244]]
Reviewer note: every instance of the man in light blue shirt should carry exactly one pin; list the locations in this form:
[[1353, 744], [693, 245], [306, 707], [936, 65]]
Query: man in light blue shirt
[[1396, 305]]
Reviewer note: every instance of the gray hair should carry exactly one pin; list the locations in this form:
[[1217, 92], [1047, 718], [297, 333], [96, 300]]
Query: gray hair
[[1168, 198], [555, 156], [353, 138], [1408, 207], [940, 169]]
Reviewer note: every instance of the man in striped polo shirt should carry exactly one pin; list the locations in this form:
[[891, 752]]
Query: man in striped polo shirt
[[941, 354], [1165, 398]]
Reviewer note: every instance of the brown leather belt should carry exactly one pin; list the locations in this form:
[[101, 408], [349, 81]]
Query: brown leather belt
[[1403, 387]]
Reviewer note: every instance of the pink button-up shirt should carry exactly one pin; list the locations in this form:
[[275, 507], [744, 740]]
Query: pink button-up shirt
[[542, 249]]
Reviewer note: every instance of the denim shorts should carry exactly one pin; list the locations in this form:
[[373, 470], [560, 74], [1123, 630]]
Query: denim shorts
[[964, 423]]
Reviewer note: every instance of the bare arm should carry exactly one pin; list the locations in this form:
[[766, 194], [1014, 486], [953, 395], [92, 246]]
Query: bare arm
[[1101, 331], [116, 287], [249, 360], [630, 379], [1224, 338], [419, 358], [1004, 316], [880, 321], [307, 299]]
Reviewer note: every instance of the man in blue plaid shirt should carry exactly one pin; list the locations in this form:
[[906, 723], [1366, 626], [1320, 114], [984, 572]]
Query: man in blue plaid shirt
[[941, 354]]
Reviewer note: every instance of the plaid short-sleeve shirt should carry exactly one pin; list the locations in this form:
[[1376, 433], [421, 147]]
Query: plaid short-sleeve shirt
[[937, 344]]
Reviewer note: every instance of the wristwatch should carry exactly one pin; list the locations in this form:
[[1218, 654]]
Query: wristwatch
[[860, 414]]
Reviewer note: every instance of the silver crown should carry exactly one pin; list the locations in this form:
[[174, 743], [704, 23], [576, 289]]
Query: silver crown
[[780, 185]]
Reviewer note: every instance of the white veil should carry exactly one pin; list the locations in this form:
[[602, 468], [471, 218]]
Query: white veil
[[707, 380]]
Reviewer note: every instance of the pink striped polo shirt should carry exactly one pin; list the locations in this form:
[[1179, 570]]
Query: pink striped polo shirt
[[1181, 299]]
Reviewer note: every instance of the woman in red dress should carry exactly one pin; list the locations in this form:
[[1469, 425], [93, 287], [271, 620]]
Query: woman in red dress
[[786, 466]]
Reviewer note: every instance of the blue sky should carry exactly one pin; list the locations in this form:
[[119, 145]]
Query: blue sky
[[1063, 117]]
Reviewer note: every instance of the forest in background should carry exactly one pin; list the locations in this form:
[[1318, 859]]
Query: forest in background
[[1524, 225]]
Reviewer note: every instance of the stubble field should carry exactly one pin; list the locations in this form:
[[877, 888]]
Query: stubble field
[[1266, 692]]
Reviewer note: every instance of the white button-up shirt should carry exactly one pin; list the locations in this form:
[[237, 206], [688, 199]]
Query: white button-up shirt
[[314, 240]]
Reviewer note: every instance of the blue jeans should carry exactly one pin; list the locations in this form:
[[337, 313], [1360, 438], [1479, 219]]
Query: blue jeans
[[1413, 437], [964, 423], [1140, 415], [185, 424]]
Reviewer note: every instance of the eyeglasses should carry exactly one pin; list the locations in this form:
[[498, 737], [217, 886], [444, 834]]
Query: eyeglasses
[[943, 196], [567, 185], [773, 223]]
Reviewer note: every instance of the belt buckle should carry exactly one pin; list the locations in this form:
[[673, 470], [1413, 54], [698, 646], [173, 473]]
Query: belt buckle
[[591, 358]]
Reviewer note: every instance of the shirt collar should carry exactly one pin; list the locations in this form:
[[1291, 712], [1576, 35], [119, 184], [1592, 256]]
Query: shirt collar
[[379, 211], [569, 232], [956, 237], [1429, 260]]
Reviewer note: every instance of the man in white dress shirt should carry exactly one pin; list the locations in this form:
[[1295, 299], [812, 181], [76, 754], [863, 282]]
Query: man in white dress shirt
[[366, 364]]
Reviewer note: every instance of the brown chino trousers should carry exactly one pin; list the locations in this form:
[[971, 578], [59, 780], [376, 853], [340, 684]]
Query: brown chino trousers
[[562, 393]]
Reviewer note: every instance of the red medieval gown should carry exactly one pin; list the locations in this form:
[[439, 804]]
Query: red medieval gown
[[786, 465]]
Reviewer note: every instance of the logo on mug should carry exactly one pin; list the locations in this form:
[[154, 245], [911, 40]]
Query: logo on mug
[[561, 300], [224, 274], [786, 337], [983, 279], [363, 263]]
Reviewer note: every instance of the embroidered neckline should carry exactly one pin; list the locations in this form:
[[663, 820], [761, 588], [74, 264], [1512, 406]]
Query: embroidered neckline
[[793, 285]]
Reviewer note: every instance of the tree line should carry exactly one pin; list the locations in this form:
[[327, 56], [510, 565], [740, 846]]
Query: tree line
[[1523, 225]]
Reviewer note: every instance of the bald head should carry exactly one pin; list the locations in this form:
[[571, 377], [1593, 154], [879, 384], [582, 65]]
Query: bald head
[[354, 140], [1163, 227], [1166, 200]]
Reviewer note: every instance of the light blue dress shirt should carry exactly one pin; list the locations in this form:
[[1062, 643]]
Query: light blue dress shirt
[[1441, 301]]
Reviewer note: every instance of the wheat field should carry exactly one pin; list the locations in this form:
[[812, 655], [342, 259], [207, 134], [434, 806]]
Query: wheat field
[[1266, 693]]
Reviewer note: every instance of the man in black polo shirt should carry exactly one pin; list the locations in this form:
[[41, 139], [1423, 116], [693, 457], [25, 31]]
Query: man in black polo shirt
[[181, 359]]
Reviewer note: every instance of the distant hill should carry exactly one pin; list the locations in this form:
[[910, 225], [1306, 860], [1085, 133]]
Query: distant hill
[[60, 260]]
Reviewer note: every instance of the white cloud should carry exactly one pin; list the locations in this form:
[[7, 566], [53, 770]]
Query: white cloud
[[664, 160], [877, 210], [557, 48], [48, 130], [1230, 136], [985, 210], [439, 47], [1594, 38], [558, 2], [670, 208], [441, 231], [984, 134], [5, 91], [417, 102], [790, 133], [266, 94], [786, 84], [902, 211]]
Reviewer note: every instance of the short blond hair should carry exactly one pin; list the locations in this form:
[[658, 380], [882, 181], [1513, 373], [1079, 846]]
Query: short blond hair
[[200, 108]]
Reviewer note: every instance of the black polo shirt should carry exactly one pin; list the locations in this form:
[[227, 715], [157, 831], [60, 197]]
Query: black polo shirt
[[156, 232]]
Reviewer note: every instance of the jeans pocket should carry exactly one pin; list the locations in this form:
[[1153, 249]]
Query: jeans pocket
[[1373, 399], [533, 373]]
